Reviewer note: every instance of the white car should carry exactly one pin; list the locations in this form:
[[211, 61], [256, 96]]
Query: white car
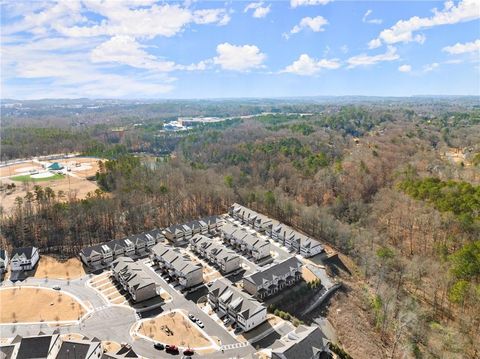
[[56, 287], [200, 323]]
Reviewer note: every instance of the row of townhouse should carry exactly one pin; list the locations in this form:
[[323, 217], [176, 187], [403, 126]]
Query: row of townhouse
[[273, 279], [180, 234], [53, 346], [137, 245], [248, 243], [217, 254], [290, 238], [180, 267], [241, 308], [134, 280]]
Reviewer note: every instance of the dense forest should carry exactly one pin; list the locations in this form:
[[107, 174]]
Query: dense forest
[[372, 179]]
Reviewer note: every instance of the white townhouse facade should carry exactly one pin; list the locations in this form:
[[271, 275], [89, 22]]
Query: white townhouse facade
[[287, 236], [273, 279], [3, 261], [180, 234], [132, 246], [24, 258], [228, 300], [248, 243], [225, 259], [132, 277], [178, 266]]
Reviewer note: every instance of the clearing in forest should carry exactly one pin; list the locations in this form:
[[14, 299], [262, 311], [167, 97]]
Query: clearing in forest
[[49, 267]]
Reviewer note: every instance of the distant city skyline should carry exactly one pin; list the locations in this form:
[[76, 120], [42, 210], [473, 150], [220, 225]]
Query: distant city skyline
[[149, 49]]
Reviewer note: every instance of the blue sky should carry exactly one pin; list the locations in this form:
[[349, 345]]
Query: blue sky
[[205, 49]]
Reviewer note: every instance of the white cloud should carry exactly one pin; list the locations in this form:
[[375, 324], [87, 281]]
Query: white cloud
[[403, 30], [405, 68], [238, 58], [259, 11], [431, 67], [373, 44], [370, 21], [460, 48], [366, 60], [316, 24], [296, 3], [307, 66], [126, 50], [130, 19]]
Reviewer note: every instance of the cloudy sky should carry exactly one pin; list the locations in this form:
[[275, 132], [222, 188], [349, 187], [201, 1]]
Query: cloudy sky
[[199, 49]]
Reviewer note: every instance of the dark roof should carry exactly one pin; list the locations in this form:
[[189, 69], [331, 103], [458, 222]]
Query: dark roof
[[34, 347], [27, 251], [303, 343], [73, 350], [279, 269]]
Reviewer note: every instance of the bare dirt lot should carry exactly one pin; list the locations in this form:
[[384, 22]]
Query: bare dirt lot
[[23, 304], [74, 185], [49, 267], [174, 328]]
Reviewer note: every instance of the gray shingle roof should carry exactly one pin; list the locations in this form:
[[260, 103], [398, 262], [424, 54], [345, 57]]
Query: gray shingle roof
[[276, 270]]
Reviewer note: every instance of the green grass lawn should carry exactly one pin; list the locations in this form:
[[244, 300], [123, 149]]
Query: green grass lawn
[[28, 178]]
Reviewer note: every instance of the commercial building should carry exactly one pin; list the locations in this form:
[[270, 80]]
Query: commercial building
[[225, 259], [178, 266], [133, 246], [302, 343], [273, 279], [24, 258], [241, 308], [132, 277]]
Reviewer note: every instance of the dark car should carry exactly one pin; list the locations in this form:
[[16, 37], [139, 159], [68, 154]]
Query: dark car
[[159, 346], [171, 349], [188, 352]]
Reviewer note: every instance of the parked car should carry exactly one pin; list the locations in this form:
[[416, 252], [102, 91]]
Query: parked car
[[171, 348], [192, 318], [226, 321], [188, 352], [159, 346], [56, 287], [200, 323]]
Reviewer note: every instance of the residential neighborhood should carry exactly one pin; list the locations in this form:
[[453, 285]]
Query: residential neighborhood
[[220, 272]]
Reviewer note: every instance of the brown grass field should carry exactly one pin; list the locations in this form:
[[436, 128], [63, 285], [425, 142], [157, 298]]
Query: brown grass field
[[49, 267], [74, 186], [174, 328], [37, 305]]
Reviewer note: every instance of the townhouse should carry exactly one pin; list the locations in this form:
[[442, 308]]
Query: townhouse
[[248, 243], [178, 266], [180, 234], [133, 278], [273, 279], [133, 246], [302, 343], [241, 308], [24, 258], [225, 259], [3, 261], [293, 240], [51, 346]]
